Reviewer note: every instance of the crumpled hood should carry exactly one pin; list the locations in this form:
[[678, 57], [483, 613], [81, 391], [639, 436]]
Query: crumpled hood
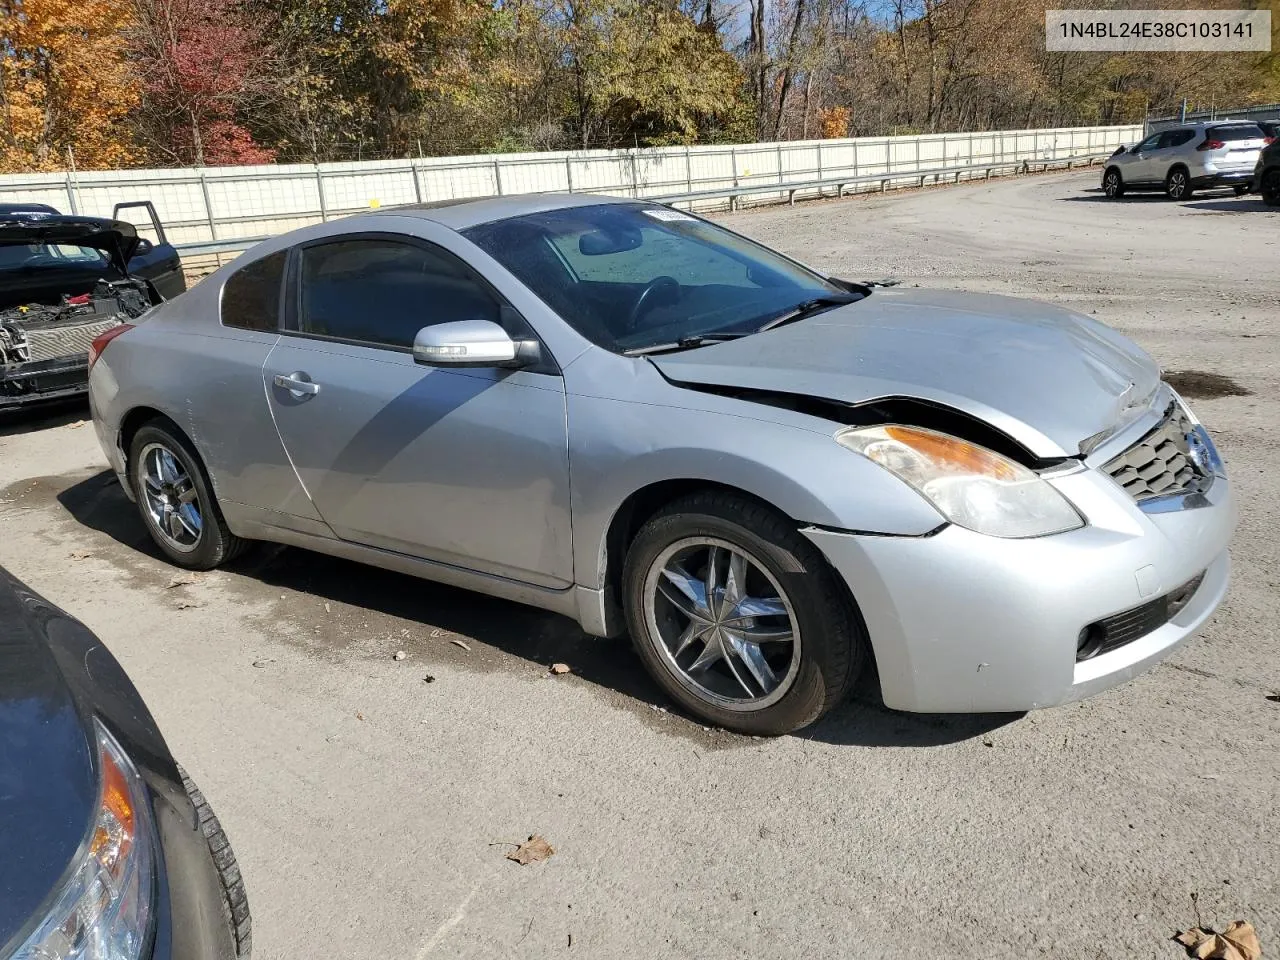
[[1045, 376]]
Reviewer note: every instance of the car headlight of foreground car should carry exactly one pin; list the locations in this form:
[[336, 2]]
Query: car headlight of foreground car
[[104, 910], [971, 486]]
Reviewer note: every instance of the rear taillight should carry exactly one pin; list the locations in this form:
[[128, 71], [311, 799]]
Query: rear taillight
[[1268, 141], [1212, 145], [101, 340]]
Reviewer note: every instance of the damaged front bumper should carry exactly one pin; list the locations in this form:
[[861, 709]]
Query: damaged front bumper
[[42, 381]]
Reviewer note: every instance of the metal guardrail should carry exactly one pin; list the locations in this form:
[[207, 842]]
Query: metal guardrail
[[210, 247]]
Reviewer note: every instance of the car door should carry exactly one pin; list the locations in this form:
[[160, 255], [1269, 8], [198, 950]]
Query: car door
[[461, 466], [1139, 169], [155, 259]]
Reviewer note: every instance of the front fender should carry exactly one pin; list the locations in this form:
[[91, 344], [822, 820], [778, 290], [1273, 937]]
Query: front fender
[[618, 447]]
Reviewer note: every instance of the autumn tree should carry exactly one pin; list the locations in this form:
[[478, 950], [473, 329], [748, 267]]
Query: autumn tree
[[65, 84], [203, 66]]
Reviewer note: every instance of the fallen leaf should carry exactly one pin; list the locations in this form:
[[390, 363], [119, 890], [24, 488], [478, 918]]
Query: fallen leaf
[[534, 850], [187, 604], [80, 554], [182, 580], [400, 655], [462, 644], [77, 425], [264, 661], [438, 633], [559, 668], [326, 605], [359, 715], [1238, 942], [428, 679]]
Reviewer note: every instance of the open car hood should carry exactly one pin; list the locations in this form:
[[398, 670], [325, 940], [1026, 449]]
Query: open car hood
[[116, 238], [1046, 377]]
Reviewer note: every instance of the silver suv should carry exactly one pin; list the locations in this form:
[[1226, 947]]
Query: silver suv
[[1183, 159]]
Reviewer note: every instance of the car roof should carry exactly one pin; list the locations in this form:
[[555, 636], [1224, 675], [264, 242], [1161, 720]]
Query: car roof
[[471, 211], [6, 209]]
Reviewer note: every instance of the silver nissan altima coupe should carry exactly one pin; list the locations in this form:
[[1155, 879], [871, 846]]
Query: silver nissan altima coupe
[[636, 418]]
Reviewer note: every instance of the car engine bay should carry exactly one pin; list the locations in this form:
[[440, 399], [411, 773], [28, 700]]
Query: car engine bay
[[36, 332]]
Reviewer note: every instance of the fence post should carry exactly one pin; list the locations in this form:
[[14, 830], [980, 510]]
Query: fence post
[[778, 148], [819, 164], [733, 159], [568, 172], [916, 141], [208, 206], [324, 209], [635, 175], [71, 195], [688, 169], [855, 162], [497, 176], [417, 186]]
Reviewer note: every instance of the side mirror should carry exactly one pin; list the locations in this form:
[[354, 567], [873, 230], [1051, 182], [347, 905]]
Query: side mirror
[[144, 246], [471, 343]]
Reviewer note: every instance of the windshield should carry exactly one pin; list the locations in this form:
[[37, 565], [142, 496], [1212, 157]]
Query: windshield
[[16, 256], [629, 276]]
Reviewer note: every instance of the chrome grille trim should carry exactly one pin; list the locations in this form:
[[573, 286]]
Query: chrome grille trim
[[64, 340], [1161, 463]]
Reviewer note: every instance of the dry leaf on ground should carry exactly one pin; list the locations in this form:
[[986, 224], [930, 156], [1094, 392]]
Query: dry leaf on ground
[[77, 425], [187, 604], [80, 554], [534, 850], [558, 668], [182, 580], [399, 655], [359, 716], [264, 661], [461, 643], [1238, 942]]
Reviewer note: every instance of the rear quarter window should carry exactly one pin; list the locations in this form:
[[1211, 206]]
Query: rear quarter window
[[251, 295]]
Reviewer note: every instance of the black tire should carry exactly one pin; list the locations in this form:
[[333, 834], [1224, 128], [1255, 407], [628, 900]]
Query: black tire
[[834, 640], [1177, 185], [1113, 183], [235, 900], [1271, 188], [1240, 190], [215, 544]]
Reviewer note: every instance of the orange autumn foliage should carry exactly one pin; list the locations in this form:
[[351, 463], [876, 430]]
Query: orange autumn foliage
[[66, 83]]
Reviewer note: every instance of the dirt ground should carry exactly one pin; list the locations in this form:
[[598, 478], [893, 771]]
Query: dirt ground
[[369, 799]]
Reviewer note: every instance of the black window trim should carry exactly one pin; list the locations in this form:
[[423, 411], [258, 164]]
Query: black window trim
[[292, 292]]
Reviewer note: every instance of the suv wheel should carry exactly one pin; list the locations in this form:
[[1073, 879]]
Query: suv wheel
[[1113, 184], [1271, 188], [1177, 185], [738, 617]]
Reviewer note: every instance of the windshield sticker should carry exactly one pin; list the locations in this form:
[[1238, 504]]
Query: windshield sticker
[[667, 215]]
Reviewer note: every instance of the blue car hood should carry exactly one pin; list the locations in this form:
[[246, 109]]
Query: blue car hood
[[1045, 376]]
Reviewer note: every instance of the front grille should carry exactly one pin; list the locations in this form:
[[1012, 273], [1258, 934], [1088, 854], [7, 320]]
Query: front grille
[[1133, 624], [59, 340], [1160, 464]]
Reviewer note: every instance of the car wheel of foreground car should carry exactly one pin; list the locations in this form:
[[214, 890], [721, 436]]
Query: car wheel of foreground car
[[738, 617], [1177, 185], [235, 900], [175, 500], [1113, 184], [1271, 189]]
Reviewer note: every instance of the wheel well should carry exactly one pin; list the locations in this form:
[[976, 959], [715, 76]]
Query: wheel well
[[1178, 166], [643, 504], [134, 421], [1114, 169]]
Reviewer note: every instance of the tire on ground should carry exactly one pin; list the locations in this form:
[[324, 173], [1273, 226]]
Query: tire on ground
[[235, 899]]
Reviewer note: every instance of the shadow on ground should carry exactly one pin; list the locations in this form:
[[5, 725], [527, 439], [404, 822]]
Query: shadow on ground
[[44, 416], [523, 632]]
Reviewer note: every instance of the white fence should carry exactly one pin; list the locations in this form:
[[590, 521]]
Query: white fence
[[229, 203]]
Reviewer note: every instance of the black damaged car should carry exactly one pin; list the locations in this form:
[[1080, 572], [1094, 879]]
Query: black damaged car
[[108, 851], [65, 280]]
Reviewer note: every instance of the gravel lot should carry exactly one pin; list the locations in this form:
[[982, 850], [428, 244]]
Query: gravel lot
[[368, 807]]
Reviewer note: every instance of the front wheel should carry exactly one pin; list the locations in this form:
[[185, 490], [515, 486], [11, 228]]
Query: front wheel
[[1113, 184], [738, 617], [1177, 185]]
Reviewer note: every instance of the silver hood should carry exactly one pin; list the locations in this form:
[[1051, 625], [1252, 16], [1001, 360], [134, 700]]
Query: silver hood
[[1045, 376]]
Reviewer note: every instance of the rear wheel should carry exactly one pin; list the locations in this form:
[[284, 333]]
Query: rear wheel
[[176, 501], [1113, 184], [1177, 185], [738, 617], [1271, 188]]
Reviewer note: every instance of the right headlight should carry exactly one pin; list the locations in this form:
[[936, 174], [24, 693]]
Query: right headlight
[[971, 486], [104, 911]]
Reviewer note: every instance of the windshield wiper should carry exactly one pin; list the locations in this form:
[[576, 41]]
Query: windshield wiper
[[684, 343], [808, 309]]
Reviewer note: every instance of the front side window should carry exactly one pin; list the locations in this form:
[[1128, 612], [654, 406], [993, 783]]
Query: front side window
[[1149, 143], [382, 291], [627, 276]]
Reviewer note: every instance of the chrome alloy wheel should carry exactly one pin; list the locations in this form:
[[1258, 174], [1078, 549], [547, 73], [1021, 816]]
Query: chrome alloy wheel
[[1111, 183], [1177, 184], [172, 501], [722, 624]]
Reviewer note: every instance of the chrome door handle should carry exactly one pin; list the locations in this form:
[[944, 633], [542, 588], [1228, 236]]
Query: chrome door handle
[[296, 384]]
